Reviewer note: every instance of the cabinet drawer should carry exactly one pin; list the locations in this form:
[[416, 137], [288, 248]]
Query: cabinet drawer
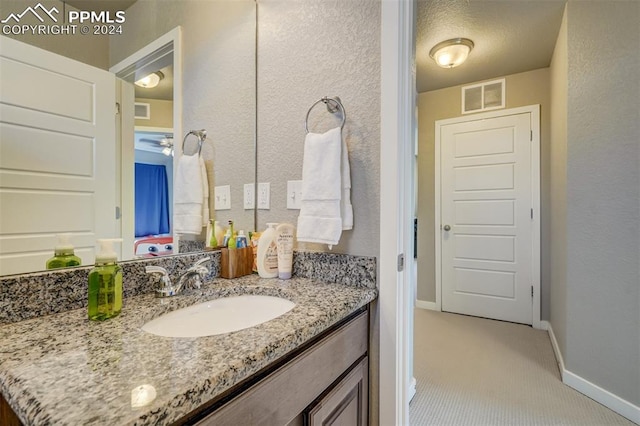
[[284, 394]]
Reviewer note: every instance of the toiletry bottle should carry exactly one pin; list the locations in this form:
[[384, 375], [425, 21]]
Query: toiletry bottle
[[218, 231], [268, 253], [209, 235], [232, 239], [105, 283], [255, 237], [227, 237], [64, 255], [284, 240], [241, 240], [212, 241]]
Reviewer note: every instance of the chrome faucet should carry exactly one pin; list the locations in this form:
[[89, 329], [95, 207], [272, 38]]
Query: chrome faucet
[[192, 278]]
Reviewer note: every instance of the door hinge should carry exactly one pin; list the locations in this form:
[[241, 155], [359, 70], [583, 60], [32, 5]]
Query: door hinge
[[531, 213], [531, 136], [117, 108], [118, 212], [401, 262], [531, 291]]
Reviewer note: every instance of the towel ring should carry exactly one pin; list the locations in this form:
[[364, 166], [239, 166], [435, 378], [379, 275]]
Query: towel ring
[[333, 106], [200, 134]]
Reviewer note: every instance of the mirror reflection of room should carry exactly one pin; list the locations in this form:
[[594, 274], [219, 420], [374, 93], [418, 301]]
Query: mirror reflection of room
[[216, 85], [153, 175]]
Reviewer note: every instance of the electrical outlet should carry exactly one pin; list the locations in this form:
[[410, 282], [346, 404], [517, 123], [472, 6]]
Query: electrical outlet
[[294, 194], [222, 197], [249, 196], [264, 195]]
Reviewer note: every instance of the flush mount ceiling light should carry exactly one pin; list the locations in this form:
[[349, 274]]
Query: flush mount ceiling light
[[150, 81], [451, 53]]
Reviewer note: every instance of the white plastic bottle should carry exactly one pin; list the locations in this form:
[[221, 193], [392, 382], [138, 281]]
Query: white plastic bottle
[[285, 235], [268, 252]]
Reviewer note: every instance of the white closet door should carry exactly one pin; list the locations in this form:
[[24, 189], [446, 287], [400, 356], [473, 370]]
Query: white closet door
[[487, 233]]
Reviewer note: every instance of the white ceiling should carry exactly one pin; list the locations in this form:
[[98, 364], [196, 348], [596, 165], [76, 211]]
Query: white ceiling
[[510, 36]]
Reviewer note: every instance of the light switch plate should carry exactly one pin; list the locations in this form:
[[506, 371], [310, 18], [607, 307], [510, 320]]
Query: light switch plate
[[264, 195], [294, 194], [222, 197], [249, 196]]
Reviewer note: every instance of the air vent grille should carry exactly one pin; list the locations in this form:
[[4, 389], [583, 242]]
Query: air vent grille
[[484, 96], [142, 111]]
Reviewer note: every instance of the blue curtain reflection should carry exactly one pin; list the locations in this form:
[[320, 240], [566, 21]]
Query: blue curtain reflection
[[152, 200]]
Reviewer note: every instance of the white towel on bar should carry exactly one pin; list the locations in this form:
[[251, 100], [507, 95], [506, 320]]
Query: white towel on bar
[[346, 209], [325, 189], [190, 195]]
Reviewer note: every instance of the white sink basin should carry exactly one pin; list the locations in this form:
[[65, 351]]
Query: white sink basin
[[219, 316]]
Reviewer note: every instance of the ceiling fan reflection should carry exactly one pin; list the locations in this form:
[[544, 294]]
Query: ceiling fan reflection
[[165, 143]]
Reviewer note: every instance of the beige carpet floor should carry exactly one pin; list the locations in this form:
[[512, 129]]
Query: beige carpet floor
[[474, 371]]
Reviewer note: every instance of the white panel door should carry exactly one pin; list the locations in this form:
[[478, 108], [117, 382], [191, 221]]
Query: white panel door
[[486, 231], [57, 156]]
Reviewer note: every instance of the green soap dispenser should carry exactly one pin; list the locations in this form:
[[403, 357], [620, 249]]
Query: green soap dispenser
[[105, 283], [64, 255]]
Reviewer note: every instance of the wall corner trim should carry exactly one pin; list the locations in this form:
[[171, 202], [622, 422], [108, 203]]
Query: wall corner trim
[[424, 304], [593, 391]]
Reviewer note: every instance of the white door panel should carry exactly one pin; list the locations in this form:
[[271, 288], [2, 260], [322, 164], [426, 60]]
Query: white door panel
[[484, 142], [484, 212], [483, 177], [486, 193], [57, 156]]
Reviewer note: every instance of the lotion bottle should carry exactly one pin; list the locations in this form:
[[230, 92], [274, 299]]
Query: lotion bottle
[[105, 283], [268, 253], [64, 255], [285, 235]]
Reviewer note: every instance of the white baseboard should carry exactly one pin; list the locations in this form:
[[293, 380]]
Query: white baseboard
[[423, 304], [545, 325], [593, 391], [412, 388]]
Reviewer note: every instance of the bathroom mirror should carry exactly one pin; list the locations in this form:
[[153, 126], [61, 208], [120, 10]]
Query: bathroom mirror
[[218, 86]]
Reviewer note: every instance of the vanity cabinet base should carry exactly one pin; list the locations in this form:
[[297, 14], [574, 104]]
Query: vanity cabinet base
[[284, 394]]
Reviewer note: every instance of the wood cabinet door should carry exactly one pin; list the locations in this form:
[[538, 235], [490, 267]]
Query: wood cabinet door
[[347, 403]]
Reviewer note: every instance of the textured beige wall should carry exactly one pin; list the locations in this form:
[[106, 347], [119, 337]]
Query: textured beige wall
[[89, 49], [528, 88], [218, 66], [603, 203], [161, 113], [558, 174], [310, 49]]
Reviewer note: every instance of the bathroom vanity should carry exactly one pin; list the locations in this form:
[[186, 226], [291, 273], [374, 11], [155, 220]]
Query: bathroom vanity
[[309, 365]]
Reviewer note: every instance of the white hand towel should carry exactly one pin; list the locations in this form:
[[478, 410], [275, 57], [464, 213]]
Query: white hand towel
[[346, 209], [205, 193], [188, 195], [320, 219]]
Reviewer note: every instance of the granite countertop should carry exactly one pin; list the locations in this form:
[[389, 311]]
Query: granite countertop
[[64, 369]]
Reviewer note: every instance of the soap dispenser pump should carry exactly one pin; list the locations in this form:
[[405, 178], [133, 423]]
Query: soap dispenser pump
[[63, 256], [105, 283]]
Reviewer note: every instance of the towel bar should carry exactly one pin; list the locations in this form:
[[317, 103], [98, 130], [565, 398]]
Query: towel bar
[[200, 134], [333, 105]]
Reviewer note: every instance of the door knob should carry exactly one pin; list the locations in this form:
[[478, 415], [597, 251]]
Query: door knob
[[447, 228]]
